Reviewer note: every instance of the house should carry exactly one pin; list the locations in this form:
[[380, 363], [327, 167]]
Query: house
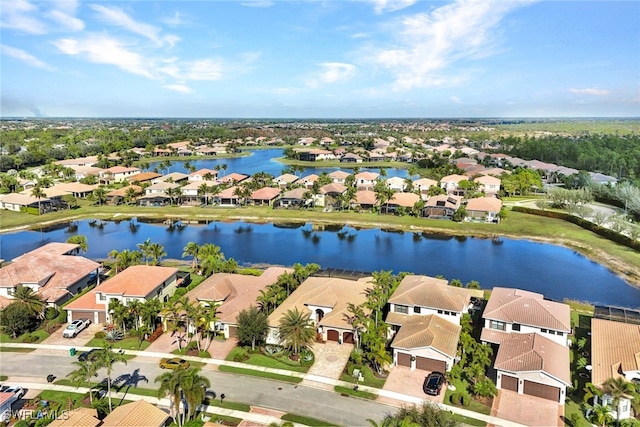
[[84, 171], [419, 295], [233, 178], [615, 353], [79, 161], [233, 293], [143, 177], [366, 180], [203, 174], [6, 402], [330, 193], [192, 192], [54, 271], [308, 180], [138, 413], [116, 197], [156, 200], [136, 283], [160, 188], [285, 179], [365, 199], [339, 176], [293, 198], [85, 417], [450, 184], [600, 178], [315, 155], [396, 184], [350, 158], [327, 300], [486, 209], [175, 177], [227, 197], [533, 364], [18, 201], [76, 189], [265, 196], [490, 185], [441, 206], [428, 343], [117, 173], [401, 200], [517, 311], [423, 185]]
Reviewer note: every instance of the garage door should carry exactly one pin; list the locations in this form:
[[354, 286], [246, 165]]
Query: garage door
[[233, 333], [347, 337], [509, 383], [102, 317], [427, 364], [332, 335], [404, 359], [542, 390], [75, 315]]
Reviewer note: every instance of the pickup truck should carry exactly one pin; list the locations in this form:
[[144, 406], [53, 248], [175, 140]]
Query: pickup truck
[[75, 327]]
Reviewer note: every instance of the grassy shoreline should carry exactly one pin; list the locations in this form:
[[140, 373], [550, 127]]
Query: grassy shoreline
[[621, 260]]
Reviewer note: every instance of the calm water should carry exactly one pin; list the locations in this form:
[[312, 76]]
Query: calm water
[[554, 271], [260, 161]]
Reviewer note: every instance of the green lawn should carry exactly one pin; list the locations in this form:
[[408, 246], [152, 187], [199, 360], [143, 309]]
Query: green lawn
[[261, 374], [355, 393], [299, 419], [258, 359], [40, 334], [125, 344], [15, 350], [202, 353], [369, 379], [474, 405]]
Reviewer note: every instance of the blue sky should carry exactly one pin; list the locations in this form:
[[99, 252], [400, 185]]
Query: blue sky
[[320, 59]]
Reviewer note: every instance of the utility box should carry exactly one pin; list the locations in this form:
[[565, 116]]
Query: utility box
[[72, 351]]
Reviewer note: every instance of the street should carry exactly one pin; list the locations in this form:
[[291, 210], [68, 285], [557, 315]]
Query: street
[[312, 402]]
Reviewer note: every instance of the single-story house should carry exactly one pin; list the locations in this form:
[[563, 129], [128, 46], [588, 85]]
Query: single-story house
[[77, 189], [285, 179], [327, 300], [366, 180], [293, 198], [365, 199], [441, 206], [265, 196], [486, 209], [85, 417], [16, 201], [233, 178], [137, 413], [176, 177], [401, 200], [396, 183], [143, 177], [203, 174], [227, 197], [489, 184], [339, 177]]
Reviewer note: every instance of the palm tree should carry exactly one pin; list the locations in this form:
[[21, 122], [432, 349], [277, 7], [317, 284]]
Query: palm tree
[[38, 193], [28, 298], [619, 388], [100, 194], [296, 331], [192, 249], [127, 258], [203, 190], [81, 240], [170, 386], [174, 194], [145, 248], [156, 251], [193, 387], [106, 359], [208, 317], [130, 194], [85, 372]]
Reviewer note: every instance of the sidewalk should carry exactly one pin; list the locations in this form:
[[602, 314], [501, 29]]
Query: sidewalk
[[310, 380]]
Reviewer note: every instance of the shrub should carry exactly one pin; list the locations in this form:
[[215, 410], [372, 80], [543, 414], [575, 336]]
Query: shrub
[[272, 349], [465, 400], [114, 335], [100, 335], [356, 356], [241, 355], [192, 345], [30, 337], [22, 423], [51, 313], [62, 316], [44, 421], [455, 398]]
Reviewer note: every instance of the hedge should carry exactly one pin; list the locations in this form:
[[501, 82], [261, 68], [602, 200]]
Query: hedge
[[588, 225]]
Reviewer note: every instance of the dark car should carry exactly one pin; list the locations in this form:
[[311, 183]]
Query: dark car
[[88, 355], [433, 383]]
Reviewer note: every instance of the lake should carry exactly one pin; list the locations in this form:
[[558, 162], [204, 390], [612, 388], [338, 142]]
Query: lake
[[554, 271], [260, 161]]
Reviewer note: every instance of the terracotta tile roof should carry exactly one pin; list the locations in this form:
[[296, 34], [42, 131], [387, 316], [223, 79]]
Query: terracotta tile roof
[[5, 397], [484, 204], [174, 176], [527, 308], [265, 193], [202, 172], [534, 352], [296, 193], [143, 176], [20, 199], [339, 174], [74, 187], [367, 176], [228, 193], [136, 414], [137, 280], [328, 292], [86, 302], [80, 417], [452, 202], [236, 291], [488, 180], [366, 197], [406, 200], [234, 177], [53, 248], [287, 177], [615, 348], [454, 178], [428, 331], [123, 191], [425, 291], [121, 169], [334, 187]]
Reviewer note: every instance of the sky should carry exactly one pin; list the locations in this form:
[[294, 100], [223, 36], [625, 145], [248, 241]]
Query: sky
[[320, 58]]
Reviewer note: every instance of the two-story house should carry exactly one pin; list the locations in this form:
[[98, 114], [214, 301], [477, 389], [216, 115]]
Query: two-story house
[[366, 180], [136, 283], [489, 184]]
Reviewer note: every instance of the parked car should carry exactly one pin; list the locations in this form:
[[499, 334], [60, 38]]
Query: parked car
[[74, 328], [174, 363], [89, 355], [17, 390], [433, 383]]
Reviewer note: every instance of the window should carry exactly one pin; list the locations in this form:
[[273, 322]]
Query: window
[[559, 333], [402, 309], [516, 327], [440, 311], [500, 326], [416, 310], [102, 296], [544, 331]]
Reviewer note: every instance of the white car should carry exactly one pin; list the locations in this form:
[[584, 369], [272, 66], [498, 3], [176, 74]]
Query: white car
[[17, 390], [75, 327]]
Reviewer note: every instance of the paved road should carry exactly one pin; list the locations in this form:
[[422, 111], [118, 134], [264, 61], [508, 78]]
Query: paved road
[[316, 403]]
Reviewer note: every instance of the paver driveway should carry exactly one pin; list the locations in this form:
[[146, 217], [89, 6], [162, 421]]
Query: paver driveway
[[528, 410], [403, 380]]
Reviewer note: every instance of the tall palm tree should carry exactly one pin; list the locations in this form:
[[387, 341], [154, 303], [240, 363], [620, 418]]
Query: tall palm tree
[[28, 298], [81, 240], [130, 194], [296, 331], [619, 388], [85, 372], [145, 248], [192, 249], [106, 359], [193, 387], [156, 251], [38, 193], [170, 386], [127, 258], [100, 194]]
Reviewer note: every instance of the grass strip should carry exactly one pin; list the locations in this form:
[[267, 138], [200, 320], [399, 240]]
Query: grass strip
[[261, 374], [225, 420], [299, 419], [355, 393], [468, 421], [15, 350]]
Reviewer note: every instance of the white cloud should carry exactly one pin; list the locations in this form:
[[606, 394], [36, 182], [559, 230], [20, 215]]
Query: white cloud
[[430, 43], [590, 91], [203, 69], [68, 21], [118, 17], [101, 49], [17, 15], [176, 20], [381, 6], [24, 57], [257, 3], [178, 87], [331, 72]]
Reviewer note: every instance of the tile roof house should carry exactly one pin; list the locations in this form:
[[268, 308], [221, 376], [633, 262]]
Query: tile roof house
[[365, 199], [441, 206], [265, 196], [366, 180], [450, 183], [426, 342], [339, 176], [615, 352], [396, 183], [532, 364], [54, 271], [326, 299], [143, 177], [293, 198], [16, 201], [77, 189], [285, 179], [517, 311], [79, 417], [233, 293], [400, 200], [176, 177], [308, 180], [118, 173], [136, 414], [203, 174], [136, 283], [489, 184], [6, 402], [227, 197], [486, 209], [233, 178]]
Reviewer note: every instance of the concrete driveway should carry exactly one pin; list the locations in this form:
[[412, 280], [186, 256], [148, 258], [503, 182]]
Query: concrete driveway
[[167, 343], [80, 340], [403, 380], [528, 410]]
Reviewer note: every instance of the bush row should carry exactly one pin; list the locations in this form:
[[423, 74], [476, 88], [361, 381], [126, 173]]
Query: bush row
[[588, 225]]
